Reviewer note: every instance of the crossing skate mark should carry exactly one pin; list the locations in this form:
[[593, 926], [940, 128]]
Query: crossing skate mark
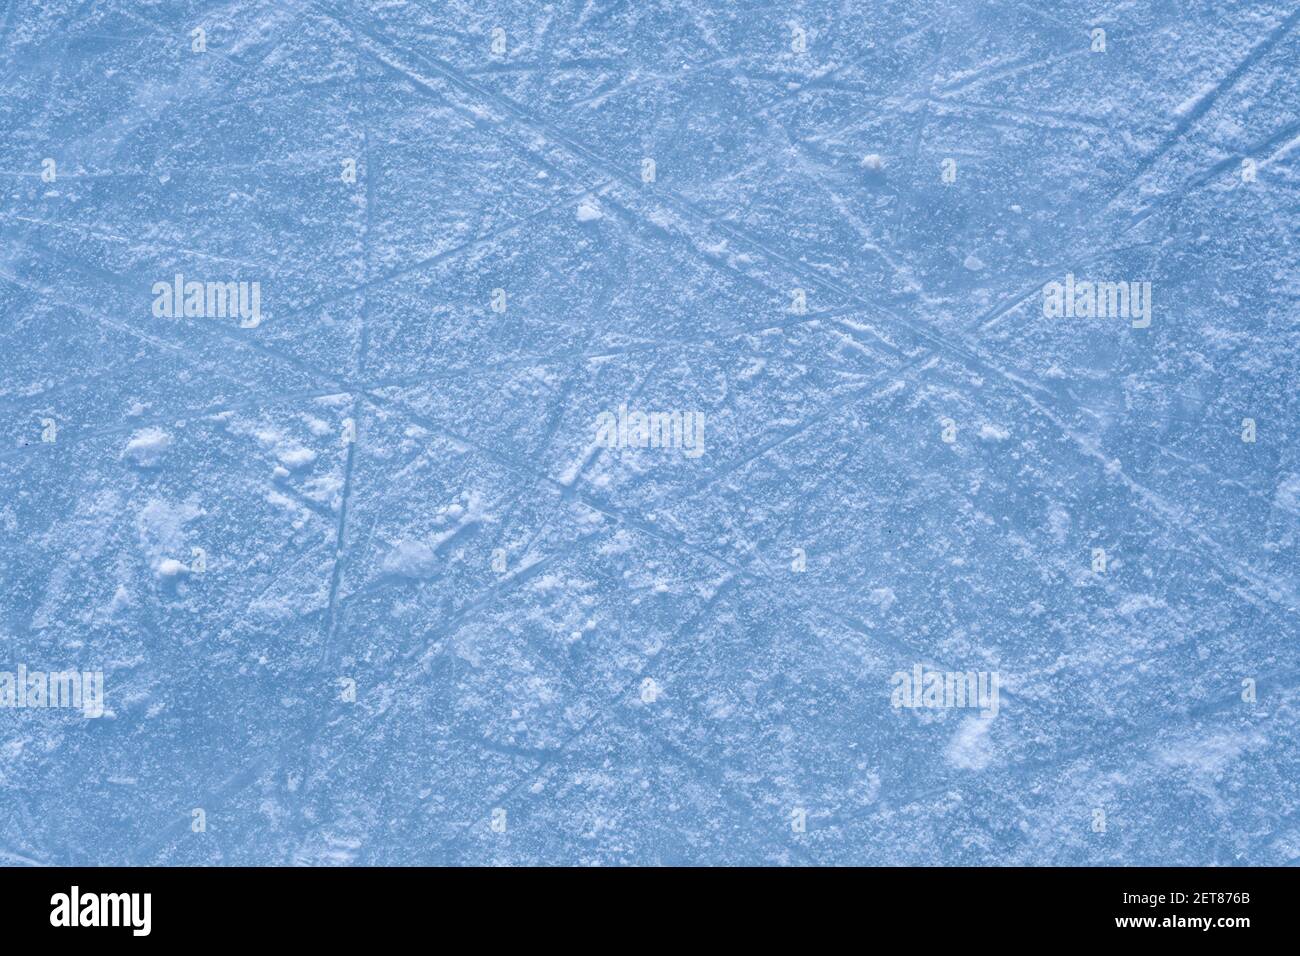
[[1205, 101]]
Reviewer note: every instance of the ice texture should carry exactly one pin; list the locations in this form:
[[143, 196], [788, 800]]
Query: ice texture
[[349, 358]]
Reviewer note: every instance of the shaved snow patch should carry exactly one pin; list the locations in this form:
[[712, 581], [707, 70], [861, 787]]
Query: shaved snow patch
[[994, 433], [410, 559], [570, 474], [161, 529], [327, 489], [147, 447], [121, 599], [1135, 603], [588, 210], [969, 748], [1189, 104], [296, 458], [170, 568], [662, 219], [547, 582], [1287, 496], [468, 510], [1210, 755]]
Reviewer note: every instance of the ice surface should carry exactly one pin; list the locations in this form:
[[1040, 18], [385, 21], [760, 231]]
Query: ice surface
[[381, 565]]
